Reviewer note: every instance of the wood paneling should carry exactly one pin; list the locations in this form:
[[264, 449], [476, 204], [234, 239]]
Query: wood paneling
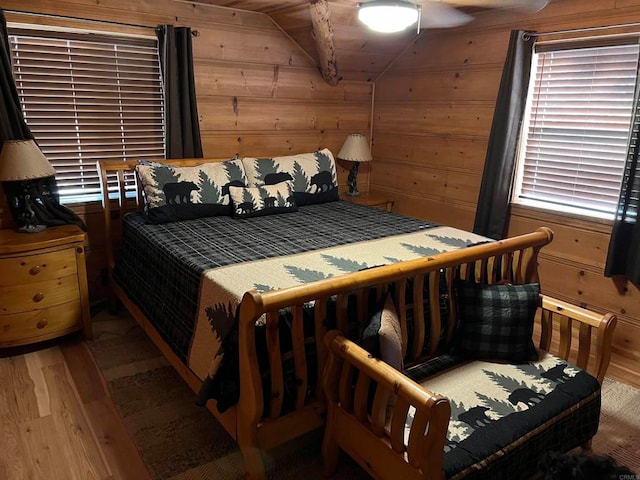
[[432, 118], [259, 94]]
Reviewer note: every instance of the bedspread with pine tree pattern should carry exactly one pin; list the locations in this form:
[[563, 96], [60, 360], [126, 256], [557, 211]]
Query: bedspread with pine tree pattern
[[221, 289]]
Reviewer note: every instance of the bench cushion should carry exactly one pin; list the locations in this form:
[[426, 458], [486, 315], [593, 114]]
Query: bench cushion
[[504, 417]]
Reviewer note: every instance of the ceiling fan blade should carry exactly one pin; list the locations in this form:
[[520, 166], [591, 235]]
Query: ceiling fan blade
[[526, 5], [436, 14]]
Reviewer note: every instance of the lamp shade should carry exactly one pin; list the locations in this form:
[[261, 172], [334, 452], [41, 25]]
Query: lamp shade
[[355, 149], [388, 16], [23, 160]]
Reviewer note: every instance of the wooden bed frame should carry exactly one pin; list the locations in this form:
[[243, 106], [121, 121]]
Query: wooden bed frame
[[256, 430]]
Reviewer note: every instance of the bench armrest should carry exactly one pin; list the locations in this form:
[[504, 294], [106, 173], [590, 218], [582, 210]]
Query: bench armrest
[[368, 401], [584, 336]]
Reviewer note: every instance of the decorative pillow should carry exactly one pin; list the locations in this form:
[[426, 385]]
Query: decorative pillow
[[313, 175], [383, 337], [179, 193], [495, 322], [264, 200]]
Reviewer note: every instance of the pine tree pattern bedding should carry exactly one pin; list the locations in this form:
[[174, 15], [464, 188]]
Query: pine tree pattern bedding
[[166, 268], [160, 266], [503, 416]]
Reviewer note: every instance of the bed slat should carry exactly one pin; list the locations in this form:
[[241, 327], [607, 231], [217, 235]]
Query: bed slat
[[434, 310], [299, 357], [275, 364], [418, 315]]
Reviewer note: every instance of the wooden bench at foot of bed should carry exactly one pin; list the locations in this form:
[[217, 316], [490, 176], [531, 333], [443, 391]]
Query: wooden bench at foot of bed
[[512, 260], [379, 437]]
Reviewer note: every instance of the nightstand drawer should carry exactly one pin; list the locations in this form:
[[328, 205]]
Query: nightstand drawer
[[37, 268], [21, 328], [37, 295]]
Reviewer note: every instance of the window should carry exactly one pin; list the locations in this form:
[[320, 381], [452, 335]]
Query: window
[[89, 97], [577, 128]]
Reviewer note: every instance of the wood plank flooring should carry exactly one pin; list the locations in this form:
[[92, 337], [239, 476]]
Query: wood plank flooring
[[58, 421]]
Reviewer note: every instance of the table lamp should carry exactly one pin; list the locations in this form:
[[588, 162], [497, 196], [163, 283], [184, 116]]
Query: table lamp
[[21, 161], [356, 150]]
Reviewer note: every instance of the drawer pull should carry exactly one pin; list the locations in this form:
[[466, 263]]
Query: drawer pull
[[42, 323], [38, 297], [35, 270]]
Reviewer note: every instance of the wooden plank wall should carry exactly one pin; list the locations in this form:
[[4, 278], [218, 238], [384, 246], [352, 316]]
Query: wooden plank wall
[[432, 119], [258, 93]]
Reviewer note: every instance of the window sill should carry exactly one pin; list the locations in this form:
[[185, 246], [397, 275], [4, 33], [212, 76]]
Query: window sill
[[547, 216]]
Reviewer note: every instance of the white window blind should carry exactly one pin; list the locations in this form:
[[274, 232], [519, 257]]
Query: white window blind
[[576, 131], [86, 98]]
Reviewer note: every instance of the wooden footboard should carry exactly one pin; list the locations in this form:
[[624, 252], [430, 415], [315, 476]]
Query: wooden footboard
[[364, 429], [513, 260]]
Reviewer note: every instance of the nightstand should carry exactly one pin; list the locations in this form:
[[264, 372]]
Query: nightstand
[[371, 199], [43, 285]]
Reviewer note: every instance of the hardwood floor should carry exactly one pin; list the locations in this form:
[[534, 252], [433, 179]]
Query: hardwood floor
[[58, 421]]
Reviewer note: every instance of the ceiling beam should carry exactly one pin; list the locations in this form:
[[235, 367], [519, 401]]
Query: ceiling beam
[[323, 36]]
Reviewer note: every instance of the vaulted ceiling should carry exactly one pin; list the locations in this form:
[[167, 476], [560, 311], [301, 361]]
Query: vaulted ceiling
[[360, 54]]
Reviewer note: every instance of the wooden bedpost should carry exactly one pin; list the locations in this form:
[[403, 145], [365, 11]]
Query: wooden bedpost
[[250, 404]]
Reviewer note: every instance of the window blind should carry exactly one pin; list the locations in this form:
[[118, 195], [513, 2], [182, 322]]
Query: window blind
[[86, 98], [576, 133]]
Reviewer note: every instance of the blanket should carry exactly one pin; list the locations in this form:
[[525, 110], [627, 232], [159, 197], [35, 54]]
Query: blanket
[[221, 289]]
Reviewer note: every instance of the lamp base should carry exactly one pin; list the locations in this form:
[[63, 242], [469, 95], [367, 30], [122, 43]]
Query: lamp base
[[31, 228], [353, 194]]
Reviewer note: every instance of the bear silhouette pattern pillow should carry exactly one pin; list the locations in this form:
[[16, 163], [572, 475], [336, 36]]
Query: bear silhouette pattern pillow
[[313, 175], [263, 200], [174, 193], [495, 322]]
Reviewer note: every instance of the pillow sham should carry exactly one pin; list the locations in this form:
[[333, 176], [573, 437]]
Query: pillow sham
[[264, 200], [383, 337], [495, 322], [174, 193], [313, 175]]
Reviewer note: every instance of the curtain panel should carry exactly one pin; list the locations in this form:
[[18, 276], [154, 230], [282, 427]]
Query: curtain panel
[[44, 191], [12, 124], [623, 257], [181, 110], [492, 211]]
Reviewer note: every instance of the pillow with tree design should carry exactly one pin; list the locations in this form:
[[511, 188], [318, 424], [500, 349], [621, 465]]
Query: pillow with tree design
[[262, 200], [174, 193]]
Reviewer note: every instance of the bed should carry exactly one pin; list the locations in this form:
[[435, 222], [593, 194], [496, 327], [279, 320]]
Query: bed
[[258, 366]]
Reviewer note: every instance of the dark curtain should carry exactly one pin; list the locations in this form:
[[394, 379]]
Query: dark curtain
[[44, 191], [12, 124], [495, 190], [623, 257], [181, 112]]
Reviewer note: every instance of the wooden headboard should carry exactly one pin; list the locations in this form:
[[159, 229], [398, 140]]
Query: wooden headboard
[[113, 216]]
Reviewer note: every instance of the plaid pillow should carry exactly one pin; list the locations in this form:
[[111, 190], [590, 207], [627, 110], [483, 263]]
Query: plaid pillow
[[495, 322]]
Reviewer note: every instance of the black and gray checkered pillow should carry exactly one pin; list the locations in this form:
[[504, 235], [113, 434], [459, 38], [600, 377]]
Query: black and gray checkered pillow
[[495, 322]]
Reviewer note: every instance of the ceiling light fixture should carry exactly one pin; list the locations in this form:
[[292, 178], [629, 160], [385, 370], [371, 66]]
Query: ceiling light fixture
[[388, 16]]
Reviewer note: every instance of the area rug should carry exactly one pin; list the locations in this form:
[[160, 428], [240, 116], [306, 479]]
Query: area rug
[[179, 441]]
